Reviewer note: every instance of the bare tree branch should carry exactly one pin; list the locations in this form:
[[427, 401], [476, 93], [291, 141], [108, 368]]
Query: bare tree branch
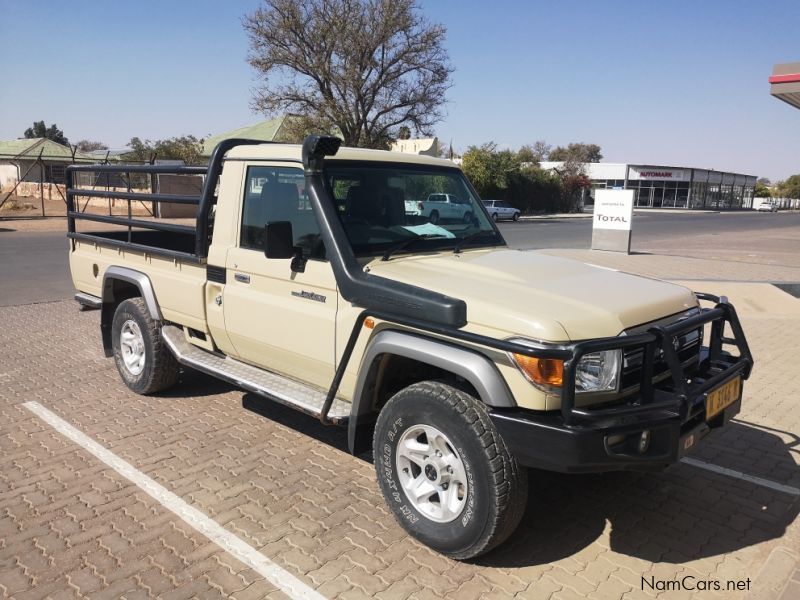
[[363, 68]]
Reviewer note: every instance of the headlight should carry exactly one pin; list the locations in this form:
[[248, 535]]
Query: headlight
[[595, 372], [598, 371]]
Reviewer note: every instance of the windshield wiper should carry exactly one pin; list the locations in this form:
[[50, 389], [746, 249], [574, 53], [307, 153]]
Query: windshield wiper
[[409, 242], [472, 236]]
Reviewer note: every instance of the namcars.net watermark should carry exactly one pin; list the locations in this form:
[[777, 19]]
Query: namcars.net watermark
[[692, 583]]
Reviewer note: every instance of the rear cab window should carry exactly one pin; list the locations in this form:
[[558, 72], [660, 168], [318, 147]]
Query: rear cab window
[[273, 194]]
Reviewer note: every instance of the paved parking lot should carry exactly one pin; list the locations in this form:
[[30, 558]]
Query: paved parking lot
[[74, 526], [71, 526]]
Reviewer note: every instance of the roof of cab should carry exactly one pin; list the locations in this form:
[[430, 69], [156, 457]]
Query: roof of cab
[[292, 152]]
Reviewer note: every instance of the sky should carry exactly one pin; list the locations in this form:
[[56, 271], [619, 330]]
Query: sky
[[668, 83]]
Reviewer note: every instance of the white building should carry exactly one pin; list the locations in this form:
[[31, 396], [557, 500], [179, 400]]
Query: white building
[[658, 186], [426, 146]]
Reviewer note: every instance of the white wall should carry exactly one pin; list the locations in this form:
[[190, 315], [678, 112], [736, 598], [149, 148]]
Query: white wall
[[8, 175], [594, 170]]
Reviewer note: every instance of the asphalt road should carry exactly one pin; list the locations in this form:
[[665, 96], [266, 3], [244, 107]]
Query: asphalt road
[[34, 266], [648, 229]]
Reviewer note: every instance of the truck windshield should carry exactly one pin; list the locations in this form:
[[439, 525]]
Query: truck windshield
[[383, 206]]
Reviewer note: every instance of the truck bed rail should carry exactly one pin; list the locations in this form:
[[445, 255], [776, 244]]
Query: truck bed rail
[[194, 248]]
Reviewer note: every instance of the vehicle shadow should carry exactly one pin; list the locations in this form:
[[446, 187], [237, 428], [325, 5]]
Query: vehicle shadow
[[335, 437], [681, 514], [6, 230], [194, 384]]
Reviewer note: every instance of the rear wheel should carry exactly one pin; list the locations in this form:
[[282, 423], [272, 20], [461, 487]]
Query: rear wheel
[[445, 472], [467, 217], [434, 218], [144, 362]]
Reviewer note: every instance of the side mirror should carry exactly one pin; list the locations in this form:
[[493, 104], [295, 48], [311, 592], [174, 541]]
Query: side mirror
[[279, 240], [280, 244]]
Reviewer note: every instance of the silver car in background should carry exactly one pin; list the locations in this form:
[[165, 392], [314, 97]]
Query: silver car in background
[[500, 209], [767, 206]]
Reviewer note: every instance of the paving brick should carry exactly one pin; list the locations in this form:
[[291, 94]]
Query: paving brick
[[310, 507]]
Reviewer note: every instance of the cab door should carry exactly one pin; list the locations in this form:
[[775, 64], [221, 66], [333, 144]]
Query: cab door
[[278, 319]]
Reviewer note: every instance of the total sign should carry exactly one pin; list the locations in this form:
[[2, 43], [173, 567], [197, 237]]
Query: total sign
[[613, 209], [613, 215]]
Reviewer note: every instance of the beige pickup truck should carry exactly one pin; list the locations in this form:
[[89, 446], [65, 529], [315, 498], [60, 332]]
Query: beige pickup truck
[[459, 361]]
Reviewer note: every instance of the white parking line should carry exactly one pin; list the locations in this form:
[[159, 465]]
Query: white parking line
[[226, 540], [786, 489]]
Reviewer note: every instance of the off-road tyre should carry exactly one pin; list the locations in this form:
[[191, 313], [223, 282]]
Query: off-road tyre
[[160, 370], [498, 486]]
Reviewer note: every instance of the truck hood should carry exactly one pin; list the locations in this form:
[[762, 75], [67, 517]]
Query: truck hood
[[539, 296]]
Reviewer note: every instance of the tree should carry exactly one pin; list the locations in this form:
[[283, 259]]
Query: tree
[[579, 152], [764, 181], [762, 191], [362, 68], [40, 130], [187, 148], [541, 150], [502, 175], [404, 132], [526, 155], [534, 154], [488, 169], [790, 188], [88, 146]]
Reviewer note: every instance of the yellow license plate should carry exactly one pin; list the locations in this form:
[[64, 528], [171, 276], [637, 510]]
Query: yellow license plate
[[722, 397]]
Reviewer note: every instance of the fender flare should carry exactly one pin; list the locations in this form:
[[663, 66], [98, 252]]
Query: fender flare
[[470, 364], [141, 282]]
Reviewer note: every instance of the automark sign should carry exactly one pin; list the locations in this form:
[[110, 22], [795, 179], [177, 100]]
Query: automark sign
[[613, 216], [657, 173]]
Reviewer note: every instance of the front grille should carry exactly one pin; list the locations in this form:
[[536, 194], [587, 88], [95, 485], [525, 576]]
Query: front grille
[[689, 345]]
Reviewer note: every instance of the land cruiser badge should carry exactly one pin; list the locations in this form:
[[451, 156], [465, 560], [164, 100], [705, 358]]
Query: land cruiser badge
[[309, 296]]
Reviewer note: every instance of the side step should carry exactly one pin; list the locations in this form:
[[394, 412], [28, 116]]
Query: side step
[[267, 384], [88, 302]]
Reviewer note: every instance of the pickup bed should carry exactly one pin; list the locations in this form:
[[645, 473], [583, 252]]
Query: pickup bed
[[457, 361]]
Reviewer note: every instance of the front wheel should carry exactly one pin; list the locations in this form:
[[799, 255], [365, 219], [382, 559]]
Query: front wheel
[[445, 472], [495, 218], [515, 217]]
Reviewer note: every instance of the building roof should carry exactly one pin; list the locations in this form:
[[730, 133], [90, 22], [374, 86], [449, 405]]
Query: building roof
[[608, 170], [31, 148], [264, 130], [785, 83]]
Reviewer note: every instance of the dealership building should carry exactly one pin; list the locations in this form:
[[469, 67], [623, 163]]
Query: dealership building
[[658, 186]]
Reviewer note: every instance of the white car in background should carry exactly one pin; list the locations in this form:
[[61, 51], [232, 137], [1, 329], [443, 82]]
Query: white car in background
[[441, 207], [500, 209], [767, 206]]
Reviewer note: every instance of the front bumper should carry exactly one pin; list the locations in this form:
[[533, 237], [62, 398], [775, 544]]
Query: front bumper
[[544, 442], [670, 414]]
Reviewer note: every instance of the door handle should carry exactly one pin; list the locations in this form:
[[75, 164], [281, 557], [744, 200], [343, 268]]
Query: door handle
[[242, 277]]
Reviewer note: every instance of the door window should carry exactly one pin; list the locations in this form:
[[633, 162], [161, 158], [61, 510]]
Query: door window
[[275, 194]]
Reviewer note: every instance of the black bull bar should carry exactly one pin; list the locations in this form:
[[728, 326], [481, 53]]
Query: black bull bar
[[684, 396]]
